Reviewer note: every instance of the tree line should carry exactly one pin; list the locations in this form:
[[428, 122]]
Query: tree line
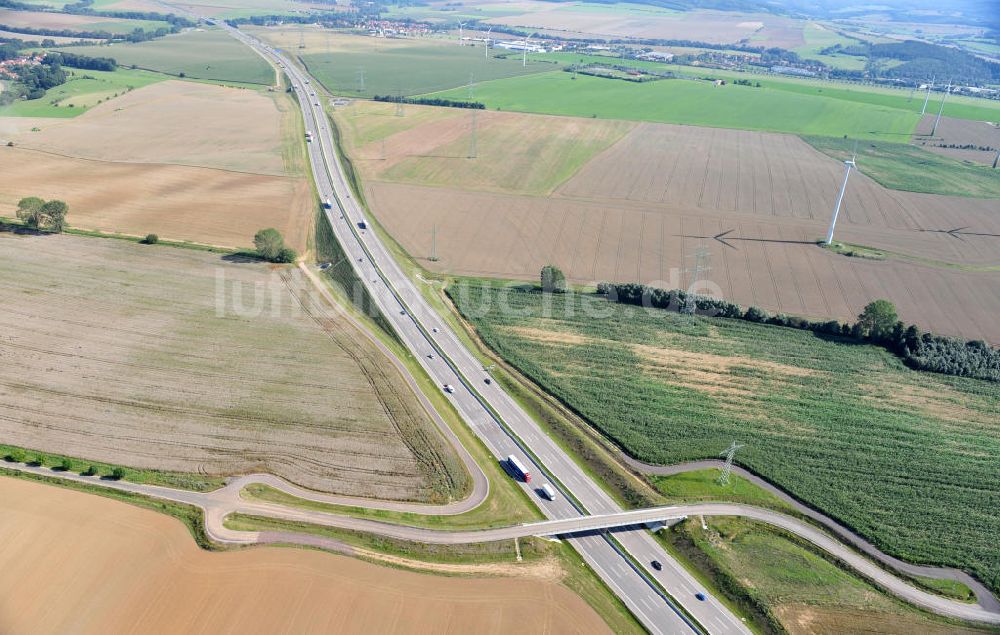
[[877, 324], [431, 101]]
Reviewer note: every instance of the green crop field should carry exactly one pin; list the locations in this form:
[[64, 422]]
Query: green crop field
[[900, 166], [413, 69], [693, 102], [198, 54], [83, 91], [819, 37], [906, 458], [902, 100]]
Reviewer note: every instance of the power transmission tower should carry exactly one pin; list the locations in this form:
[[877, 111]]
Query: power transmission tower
[[434, 243], [727, 469], [702, 259], [361, 79]]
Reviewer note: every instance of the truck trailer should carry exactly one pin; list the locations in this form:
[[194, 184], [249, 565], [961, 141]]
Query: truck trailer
[[519, 469]]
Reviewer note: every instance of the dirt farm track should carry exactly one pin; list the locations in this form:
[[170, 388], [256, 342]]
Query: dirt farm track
[[79, 563], [757, 202]]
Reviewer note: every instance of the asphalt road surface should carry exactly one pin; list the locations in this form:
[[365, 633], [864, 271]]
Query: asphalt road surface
[[623, 562]]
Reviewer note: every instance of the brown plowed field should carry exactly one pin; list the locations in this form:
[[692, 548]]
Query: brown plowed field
[[79, 563], [771, 263], [959, 132], [183, 160], [176, 202], [640, 209], [158, 357], [183, 123]]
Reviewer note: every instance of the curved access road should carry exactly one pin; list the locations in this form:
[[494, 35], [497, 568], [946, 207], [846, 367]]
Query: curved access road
[[219, 504], [984, 597], [328, 307]]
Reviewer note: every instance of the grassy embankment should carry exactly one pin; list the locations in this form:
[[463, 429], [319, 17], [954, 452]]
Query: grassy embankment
[[899, 456]]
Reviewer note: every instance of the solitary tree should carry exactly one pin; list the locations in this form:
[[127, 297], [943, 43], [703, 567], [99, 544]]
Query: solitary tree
[[877, 320], [269, 243], [553, 280], [151, 239], [118, 473]]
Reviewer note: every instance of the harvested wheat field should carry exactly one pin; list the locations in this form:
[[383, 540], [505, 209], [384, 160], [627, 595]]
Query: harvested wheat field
[[159, 357], [183, 160], [183, 123], [64, 553], [640, 209], [176, 202], [960, 132]]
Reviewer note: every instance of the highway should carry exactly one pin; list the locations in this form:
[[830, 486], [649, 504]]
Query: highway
[[503, 426]]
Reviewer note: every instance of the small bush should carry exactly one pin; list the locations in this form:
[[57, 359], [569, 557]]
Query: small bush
[[65, 465], [151, 239], [286, 254], [118, 473], [15, 456], [37, 461], [90, 471]]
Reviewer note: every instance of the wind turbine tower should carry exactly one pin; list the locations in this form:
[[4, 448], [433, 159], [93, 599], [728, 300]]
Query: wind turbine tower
[[472, 136], [927, 97], [524, 59], [941, 109], [460, 26], [487, 42], [848, 166]]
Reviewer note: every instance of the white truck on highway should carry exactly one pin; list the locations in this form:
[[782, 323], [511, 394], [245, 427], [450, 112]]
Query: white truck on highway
[[519, 469], [548, 492]]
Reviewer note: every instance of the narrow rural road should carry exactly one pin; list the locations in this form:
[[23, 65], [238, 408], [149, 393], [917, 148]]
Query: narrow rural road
[[219, 504], [985, 598]]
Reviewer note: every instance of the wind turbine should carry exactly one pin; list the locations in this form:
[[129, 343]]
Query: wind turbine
[[848, 166], [524, 59], [487, 47], [460, 25], [927, 97], [941, 109]]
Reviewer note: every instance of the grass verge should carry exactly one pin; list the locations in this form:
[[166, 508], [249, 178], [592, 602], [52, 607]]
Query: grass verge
[[179, 480], [532, 549]]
